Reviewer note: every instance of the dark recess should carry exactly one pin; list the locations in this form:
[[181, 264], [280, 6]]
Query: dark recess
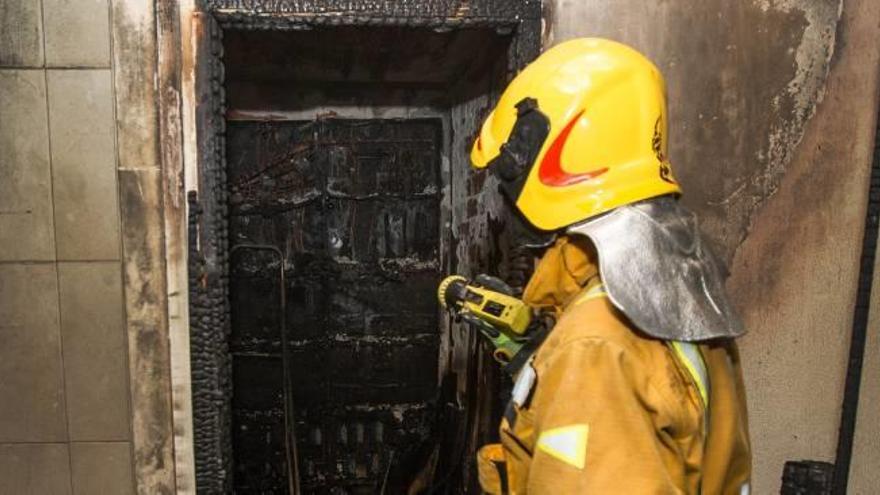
[[362, 66]]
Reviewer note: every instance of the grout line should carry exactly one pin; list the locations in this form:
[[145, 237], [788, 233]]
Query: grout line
[[99, 442], [154, 168], [45, 262], [61, 442], [99, 260], [36, 442], [55, 241], [59, 68], [28, 262], [78, 67]]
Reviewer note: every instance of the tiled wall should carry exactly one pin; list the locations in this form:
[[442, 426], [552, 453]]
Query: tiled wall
[[64, 408]]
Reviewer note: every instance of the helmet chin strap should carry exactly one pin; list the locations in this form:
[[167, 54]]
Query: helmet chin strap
[[524, 234], [526, 244]]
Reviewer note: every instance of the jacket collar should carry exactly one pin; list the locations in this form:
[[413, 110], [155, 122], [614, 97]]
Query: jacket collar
[[567, 267]]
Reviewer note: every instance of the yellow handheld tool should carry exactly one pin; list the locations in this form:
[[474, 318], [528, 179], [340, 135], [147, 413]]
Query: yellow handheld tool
[[487, 304]]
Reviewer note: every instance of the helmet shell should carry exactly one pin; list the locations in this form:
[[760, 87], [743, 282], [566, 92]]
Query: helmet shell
[[606, 146]]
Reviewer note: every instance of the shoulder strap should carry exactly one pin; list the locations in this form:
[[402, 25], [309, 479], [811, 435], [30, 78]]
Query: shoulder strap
[[529, 348]]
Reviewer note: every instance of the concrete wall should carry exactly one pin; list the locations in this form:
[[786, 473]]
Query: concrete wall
[[772, 108], [64, 394]]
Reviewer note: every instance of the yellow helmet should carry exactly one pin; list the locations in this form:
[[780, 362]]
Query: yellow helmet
[[580, 131]]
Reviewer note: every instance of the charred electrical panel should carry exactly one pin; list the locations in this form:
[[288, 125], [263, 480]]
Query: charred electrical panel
[[353, 207]]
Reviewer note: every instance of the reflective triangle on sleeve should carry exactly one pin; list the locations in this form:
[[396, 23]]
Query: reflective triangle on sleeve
[[567, 444]]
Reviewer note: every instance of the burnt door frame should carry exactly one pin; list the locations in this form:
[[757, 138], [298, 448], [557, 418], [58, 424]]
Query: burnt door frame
[[208, 248]]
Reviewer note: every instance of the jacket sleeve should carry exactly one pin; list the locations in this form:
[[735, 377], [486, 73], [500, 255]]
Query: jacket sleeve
[[599, 424]]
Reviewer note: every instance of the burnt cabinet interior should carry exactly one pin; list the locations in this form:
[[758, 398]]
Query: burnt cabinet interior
[[345, 157], [354, 207]]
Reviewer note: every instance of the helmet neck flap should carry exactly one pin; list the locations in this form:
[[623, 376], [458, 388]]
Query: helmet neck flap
[[658, 271]]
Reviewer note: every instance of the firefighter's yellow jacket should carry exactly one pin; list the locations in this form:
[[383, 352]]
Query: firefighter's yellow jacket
[[604, 409]]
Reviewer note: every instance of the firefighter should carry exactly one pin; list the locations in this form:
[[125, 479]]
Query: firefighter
[[638, 387]]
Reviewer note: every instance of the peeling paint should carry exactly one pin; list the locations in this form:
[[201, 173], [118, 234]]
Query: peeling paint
[[744, 81], [797, 103]]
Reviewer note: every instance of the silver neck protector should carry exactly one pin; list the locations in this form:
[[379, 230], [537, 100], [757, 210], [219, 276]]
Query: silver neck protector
[[659, 273]]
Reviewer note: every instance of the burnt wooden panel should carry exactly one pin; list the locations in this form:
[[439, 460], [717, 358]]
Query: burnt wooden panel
[[354, 207]]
